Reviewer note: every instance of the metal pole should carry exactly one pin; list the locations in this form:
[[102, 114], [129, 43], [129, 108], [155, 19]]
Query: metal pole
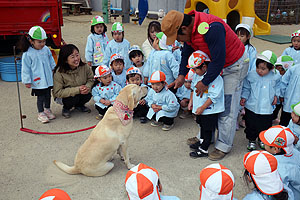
[[125, 11], [268, 11]]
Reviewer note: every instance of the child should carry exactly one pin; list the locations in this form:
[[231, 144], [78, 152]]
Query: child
[[161, 59], [175, 49], [118, 72], [279, 141], [106, 91], [118, 45], [142, 182], [217, 183], [134, 76], [244, 33], [294, 124], [37, 67], [162, 102], [282, 64], [153, 28], [290, 84], [137, 57], [207, 107], [260, 92], [96, 43], [294, 49], [261, 170], [184, 93]]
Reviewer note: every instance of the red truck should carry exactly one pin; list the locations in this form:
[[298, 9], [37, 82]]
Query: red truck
[[18, 16]]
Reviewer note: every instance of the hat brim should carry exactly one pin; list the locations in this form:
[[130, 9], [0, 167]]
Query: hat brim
[[264, 181], [293, 109]]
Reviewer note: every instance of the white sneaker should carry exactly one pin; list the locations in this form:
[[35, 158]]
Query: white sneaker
[[49, 114], [43, 117]]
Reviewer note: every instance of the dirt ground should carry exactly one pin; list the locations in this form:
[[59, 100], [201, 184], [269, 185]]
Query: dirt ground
[[27, 170]]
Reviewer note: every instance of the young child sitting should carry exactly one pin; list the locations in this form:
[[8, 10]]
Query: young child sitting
[[261, 89], [161, 59], [261, 170], [137, 57], [294, 124], [207, 107], [217, 183], [142, 182], [118, 72], [163, 103], [134, 76], [118, 45], [105, 92], [279, 141], [184, 93]]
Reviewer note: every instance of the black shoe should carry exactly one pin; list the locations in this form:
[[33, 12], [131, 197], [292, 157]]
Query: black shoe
[[195, 146], [66, 113], [199, 154], [143, 120], [83, 109]]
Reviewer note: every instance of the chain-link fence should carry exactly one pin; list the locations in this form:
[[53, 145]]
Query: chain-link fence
[[281, 11]]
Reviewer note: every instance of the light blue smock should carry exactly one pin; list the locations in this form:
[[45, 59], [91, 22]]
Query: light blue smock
[[259, 92], [183, 93], [164, 98], [257, 195], [290, 87], [295, 54], [251, 52], [295, 128], [163, 61], [177, 52], [95, 48], [215, 92], [37, 68], [120, 79], [289, 171], [120, 48], [109, 92]]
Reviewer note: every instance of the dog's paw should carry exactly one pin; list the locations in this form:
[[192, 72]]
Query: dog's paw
[[129, 166]]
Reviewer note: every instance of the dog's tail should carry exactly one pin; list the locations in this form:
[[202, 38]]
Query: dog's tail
[[66, 168]]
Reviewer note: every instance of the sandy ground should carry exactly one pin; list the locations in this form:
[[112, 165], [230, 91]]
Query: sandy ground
[[26, 159]]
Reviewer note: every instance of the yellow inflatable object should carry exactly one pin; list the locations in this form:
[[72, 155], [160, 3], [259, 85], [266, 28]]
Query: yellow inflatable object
[[233, 12]]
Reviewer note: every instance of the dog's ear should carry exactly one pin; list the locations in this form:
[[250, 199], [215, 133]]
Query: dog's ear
[[131, 102]]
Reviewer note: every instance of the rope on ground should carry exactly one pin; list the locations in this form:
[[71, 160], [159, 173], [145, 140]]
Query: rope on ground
[[55, 133]]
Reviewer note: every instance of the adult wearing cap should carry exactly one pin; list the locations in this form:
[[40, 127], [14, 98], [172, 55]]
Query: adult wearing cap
[[261, 169], [142, 183], [210, 34]]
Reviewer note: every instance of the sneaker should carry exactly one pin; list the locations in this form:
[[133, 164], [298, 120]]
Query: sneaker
[[196, 145], [43, 117], [49, 114], [83, 109], [185, 114], [66, 113], [156, 123], [167, 127], [216, 155], [261, 144], [192, 140], [199, 153], [99, 117], [143, 120], [251, 145]]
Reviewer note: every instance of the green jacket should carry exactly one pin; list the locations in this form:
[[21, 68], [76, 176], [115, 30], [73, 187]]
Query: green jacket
[[67, 84]]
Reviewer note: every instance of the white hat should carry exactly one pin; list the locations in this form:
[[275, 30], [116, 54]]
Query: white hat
[[101, 71], [197, 58], [262, 167], [245, 26], [285, 61], [162, 40], [141, 183], [135, 48], [216, 183], [134, 70], [296, 34], [117, 27], [55, 194], [268, 56], [157, 76], [189, 75], [296, 108], [278, 136], [37, 33], [115, 57]]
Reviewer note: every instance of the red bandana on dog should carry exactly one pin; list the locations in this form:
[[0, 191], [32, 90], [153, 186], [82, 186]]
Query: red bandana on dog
[[123, 112]]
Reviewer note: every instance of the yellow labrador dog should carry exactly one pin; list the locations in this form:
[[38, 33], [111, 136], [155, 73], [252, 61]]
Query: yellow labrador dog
[[110, 134]]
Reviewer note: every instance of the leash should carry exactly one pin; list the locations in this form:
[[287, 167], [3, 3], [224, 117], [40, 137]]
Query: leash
[[24, 116]]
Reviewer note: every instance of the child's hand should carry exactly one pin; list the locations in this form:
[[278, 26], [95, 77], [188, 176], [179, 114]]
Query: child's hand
[[242, 102], [107, 102], [90, 63], [274, 101], [28, 85], [190, 106], [296, 140], [199, 110], [145, 80], [84, 90], [142, 102]]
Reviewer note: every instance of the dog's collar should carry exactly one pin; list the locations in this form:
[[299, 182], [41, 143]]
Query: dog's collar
[[125, 115]]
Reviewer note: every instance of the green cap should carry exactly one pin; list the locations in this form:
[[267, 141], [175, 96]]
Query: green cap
[[268, 56], [285, 61], [97, 20], [162, 40], [296, 108], [37, 33], [117, 27]]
